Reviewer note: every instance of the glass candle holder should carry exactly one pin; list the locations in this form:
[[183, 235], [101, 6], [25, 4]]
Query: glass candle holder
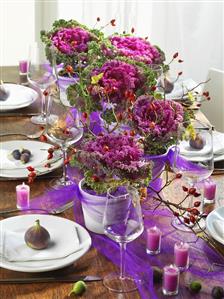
[[171, 276], [209, 192], [23, 69], [153, 243], [181, 255], [22, 196]]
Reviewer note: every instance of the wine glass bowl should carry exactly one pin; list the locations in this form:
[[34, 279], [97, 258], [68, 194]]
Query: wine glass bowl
[[193, 158], [41, 76], [122, 223], [64, 129]]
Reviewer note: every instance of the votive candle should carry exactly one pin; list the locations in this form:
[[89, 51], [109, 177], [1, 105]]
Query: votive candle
[[181, 255], [22, 196], [23, 66], [153, 240], [171, 276], [209, 190]]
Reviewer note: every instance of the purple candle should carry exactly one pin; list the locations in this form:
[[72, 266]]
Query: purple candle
[[23, 66], [153, 240], [22, 196], [209, 190], [170, 280], [181, 255]]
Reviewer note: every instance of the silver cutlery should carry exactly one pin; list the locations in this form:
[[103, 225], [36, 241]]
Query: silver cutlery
[[55, 278], [55, 211], [30, 136]]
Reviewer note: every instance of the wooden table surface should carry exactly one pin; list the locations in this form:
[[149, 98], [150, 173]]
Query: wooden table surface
[[92, 263]]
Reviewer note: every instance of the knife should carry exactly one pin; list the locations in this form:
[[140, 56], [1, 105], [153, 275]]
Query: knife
[[23, 280]]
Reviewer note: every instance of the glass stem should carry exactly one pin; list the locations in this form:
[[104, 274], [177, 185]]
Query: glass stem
[[122, 260], [43, 105], [64, 155]]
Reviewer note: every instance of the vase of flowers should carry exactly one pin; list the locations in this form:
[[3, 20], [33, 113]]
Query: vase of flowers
[[109, 160]]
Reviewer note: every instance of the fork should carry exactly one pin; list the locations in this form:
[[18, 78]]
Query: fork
[[30, 136]]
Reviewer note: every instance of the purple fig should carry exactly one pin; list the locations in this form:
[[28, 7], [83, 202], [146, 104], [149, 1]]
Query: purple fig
[[25, 158], [16, 154], [24, 150], [37, 237], [198, 142]]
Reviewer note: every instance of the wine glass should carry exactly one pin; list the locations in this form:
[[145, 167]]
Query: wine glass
[[122, 223], [41, 77], [193, 158], [64, 129]]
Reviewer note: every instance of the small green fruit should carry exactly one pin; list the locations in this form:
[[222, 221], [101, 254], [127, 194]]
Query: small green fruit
[[78, 288], [157, 275], [195, 287], [217, 293]]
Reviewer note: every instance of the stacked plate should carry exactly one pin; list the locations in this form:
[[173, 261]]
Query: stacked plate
[[11, 168], [215, 224], [19, 97], [63, 249]]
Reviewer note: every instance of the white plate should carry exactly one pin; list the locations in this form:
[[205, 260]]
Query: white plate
[[181, 87], [23, 222], [211, 224], [19, 97], [12, 168]]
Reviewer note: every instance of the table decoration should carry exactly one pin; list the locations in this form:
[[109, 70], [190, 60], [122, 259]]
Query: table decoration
[[107, 161], [181, 255], [22, 196], [209, 191], [153, 241], [170, 280]]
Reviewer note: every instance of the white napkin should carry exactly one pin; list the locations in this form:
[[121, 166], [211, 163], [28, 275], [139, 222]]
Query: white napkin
[[181, 87], [219, 228], [14, 249], [218, 143]]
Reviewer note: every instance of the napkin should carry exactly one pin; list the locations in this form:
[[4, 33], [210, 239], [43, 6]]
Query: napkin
[[219, 228], [218, 143], [14, 249], [181, 87]]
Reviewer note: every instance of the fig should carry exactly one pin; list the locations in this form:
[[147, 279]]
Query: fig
[[198, 142], [37, 237], [25, 158], [16, 154], [218, 292], [168, 85], [24, 150]]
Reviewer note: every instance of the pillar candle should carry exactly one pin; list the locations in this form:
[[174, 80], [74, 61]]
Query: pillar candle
[[181, 255], [170, 280], [153, 240], [22, 196]]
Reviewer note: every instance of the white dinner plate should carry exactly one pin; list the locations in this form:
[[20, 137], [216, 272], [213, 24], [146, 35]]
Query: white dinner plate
[[19, 97], [9, 167], [215, 224], [181, 87], [62, 226]]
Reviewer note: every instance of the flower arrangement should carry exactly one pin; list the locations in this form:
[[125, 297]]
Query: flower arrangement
[[112, 160], [138, 49], [157, 121]]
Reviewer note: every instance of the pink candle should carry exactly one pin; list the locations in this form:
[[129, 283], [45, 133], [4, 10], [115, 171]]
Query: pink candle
[[181, 255], [153, 240], [22, 196], [209, 190], [23, 66], [170, 280]]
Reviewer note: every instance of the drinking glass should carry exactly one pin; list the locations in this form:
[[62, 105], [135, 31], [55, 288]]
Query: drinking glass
[[122, 223], [64, 129], [41, 77], [194, 160]]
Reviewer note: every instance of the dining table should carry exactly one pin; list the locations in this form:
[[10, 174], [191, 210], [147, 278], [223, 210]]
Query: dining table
[[93, 262]]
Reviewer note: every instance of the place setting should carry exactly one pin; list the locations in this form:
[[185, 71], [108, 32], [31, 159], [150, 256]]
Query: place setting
[[112, 178]]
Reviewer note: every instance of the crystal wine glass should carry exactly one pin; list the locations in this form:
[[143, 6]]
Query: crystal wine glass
[[64, 129], [41, 77], [194, 160], [158, 70], [122, 223]]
